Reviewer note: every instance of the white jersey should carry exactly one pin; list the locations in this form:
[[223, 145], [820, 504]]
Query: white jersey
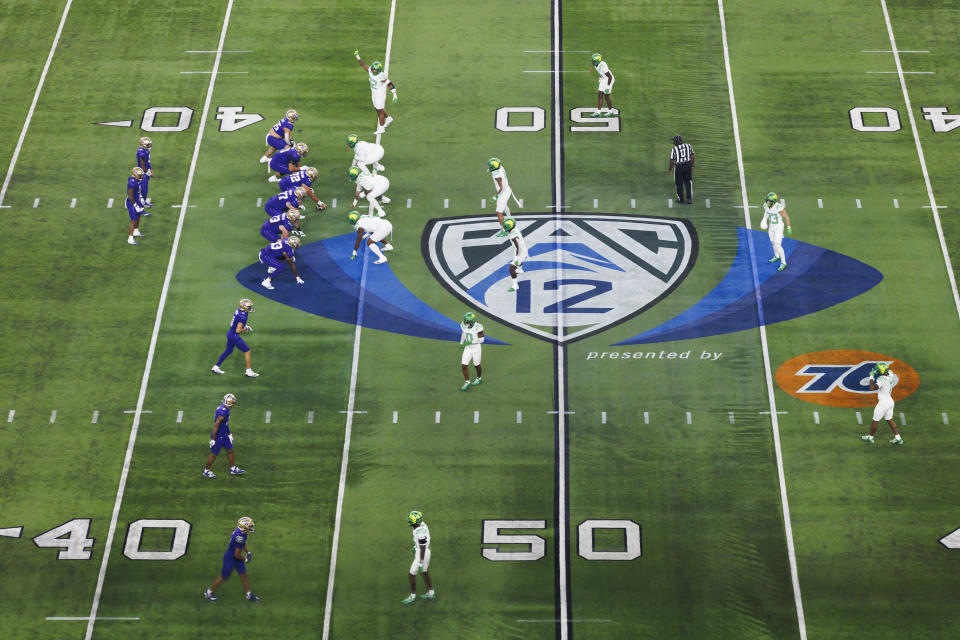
[[470, 336], [378, 82], [885, 385], [520, 247], [366, 181], [502, 174], [421, 535], [773, 214], [365, 153], [373, 225], [603, 70]]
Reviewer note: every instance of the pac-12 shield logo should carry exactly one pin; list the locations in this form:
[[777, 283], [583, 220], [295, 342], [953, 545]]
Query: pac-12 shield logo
[[840, 378], [584, 272]]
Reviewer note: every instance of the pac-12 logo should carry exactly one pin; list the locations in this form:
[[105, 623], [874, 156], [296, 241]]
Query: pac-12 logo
[[840, 378], [583, 274]]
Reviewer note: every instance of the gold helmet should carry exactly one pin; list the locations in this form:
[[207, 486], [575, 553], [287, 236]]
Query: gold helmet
[[245, 524], [312, 173], [146, 142], [292, 115], [137, 173], [229, 400], [302, 148]]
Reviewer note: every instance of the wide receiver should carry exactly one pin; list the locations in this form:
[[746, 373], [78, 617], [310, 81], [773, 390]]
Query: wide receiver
[[775, 214], [471, 337]]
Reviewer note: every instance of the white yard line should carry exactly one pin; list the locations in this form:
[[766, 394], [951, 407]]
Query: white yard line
[[348, 428], [788, 526], [156, 331], [33, 105], [923, 161]]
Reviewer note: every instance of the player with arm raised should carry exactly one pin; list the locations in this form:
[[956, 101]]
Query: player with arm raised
[[303, 178], [883, 380], [134, 208], [221, 438], [365, 153], [274, 256], [379, 83], [238, 325], [143, 161], [774, 215], [370, 187], [236, 558], [375, 230], [278, 137], [471, 337], [287, 161], [421, 558]]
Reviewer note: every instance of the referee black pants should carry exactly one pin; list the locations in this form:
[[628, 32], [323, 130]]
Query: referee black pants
[[683, 178]]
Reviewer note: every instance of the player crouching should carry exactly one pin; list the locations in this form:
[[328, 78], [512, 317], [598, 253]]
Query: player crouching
[[374, 229]]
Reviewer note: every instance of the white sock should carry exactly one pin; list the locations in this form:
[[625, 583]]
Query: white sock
[[376, 250], [513, 283], [430, 593]]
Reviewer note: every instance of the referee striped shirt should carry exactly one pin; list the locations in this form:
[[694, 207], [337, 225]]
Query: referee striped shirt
[[681, 153]]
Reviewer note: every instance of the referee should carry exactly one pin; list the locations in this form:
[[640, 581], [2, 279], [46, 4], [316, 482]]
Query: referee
[[681, 164]]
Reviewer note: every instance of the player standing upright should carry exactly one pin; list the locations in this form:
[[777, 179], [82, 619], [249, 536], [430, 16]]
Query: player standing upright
[[365, 153], [143, 161], [278, 137], [375, 230], [500, 182], [221, 438], [379, 83], [370, 187], [236, 558], [421, 558], [471, 337], [287, 161], [604, 86], [238, 325], [883, 380], [775, 214], [512, 232], [134, 208]]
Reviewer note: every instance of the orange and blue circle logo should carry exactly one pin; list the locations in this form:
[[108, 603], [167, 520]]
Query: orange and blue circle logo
[[841, 378]]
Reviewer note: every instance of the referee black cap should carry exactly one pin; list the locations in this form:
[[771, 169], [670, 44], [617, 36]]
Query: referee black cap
[[677, 139]]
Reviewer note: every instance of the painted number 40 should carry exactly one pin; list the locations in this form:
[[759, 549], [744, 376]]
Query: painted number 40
[[888, 119]]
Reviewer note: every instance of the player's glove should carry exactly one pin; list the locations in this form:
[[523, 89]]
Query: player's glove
[[150, 172], [395, 98], [356, 53], [212, 442], [789, 231], [298, 233], [354, 203], [461, 349], [354, 256], [138, 209], [303, 207], [247, 329], [494, 198], [299, 280], [763, 226], [230, 435], [502, 234], [249, 556], [321, 206]]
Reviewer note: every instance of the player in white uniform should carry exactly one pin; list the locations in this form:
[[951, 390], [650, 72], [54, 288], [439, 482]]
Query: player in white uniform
[[604, 87], [370, 187], [499, 175], [512, 232], [365, 153], [374, 229], [379, 83], [883, 380], [421, 558], [775, 214], [471, 337]]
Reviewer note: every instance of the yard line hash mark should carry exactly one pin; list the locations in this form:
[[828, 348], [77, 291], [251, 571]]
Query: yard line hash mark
[[179, 417], [896, 203], [633, 203], [520, 417], [53, 416], [859, 206], [409, 203], [816, 417], [221, 203], [944, 416], [820, 203], [36, 202], [646, 417], [266, 417], [603, 417], [689, 418], [903, 419], [73, 203], [396, 416], [110, 203], [730, 416], [309, 417], [436, 418], [476, 417], [708, 203], [96, 416], [10, 415], [859, 418]]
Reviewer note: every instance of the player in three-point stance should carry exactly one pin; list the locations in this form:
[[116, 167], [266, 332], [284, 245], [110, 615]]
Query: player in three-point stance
[[303, 178], [604, 86], [143, 161], [134, 208], [276, 254], [221, 438], [379, 83], [287, 161], [238, 325], [365, 153], [236, 558], [775, 213], [374, 229], [421, 558], [289, 200], [370, 187], [471, 337], [278, 137], [512, 232], [499, 175], [282, 226], [883, 380]]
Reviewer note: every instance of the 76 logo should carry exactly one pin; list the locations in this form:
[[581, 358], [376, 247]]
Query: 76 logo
[[827, 377]]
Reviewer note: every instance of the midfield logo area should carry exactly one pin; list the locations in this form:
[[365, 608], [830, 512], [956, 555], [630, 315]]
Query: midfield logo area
[[584, 274]]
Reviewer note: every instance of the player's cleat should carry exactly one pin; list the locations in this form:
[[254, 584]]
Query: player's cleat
[[216, 369], [264, 160], [897, 440], [388, 247], [409, 599], [774, 259], [595, 114], [428, 596], [867, 439], [266, 284], [210, 595], [209, 474], [147, 214], [130, 240], [237, 471], [252, 598], [250, 373], [138, 234], [380, 261], [147, 205], [477, 382], [512, 290], [519, 268], [689, 201], [384, 199], [386, 123], [465, 385], [782, 267]]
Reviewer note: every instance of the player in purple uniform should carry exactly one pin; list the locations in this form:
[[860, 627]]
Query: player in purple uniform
[[278, 137], [236, 557], [287, 161], [282, 226], [238, 325], [143, 161], [134, 208], [303, 178], [221, 438], [290, 200], [274, 255]]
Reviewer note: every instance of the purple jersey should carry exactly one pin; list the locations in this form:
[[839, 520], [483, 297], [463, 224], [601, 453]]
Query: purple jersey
[[224, 411], [238, 316], [277, 249], [145, 155], [135, 184], [282, 158], [238, 540], [278, 203], [280, 126], [276, 223], [295, 179]]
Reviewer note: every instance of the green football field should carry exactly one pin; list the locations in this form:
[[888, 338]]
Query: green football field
[[666, 442]]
